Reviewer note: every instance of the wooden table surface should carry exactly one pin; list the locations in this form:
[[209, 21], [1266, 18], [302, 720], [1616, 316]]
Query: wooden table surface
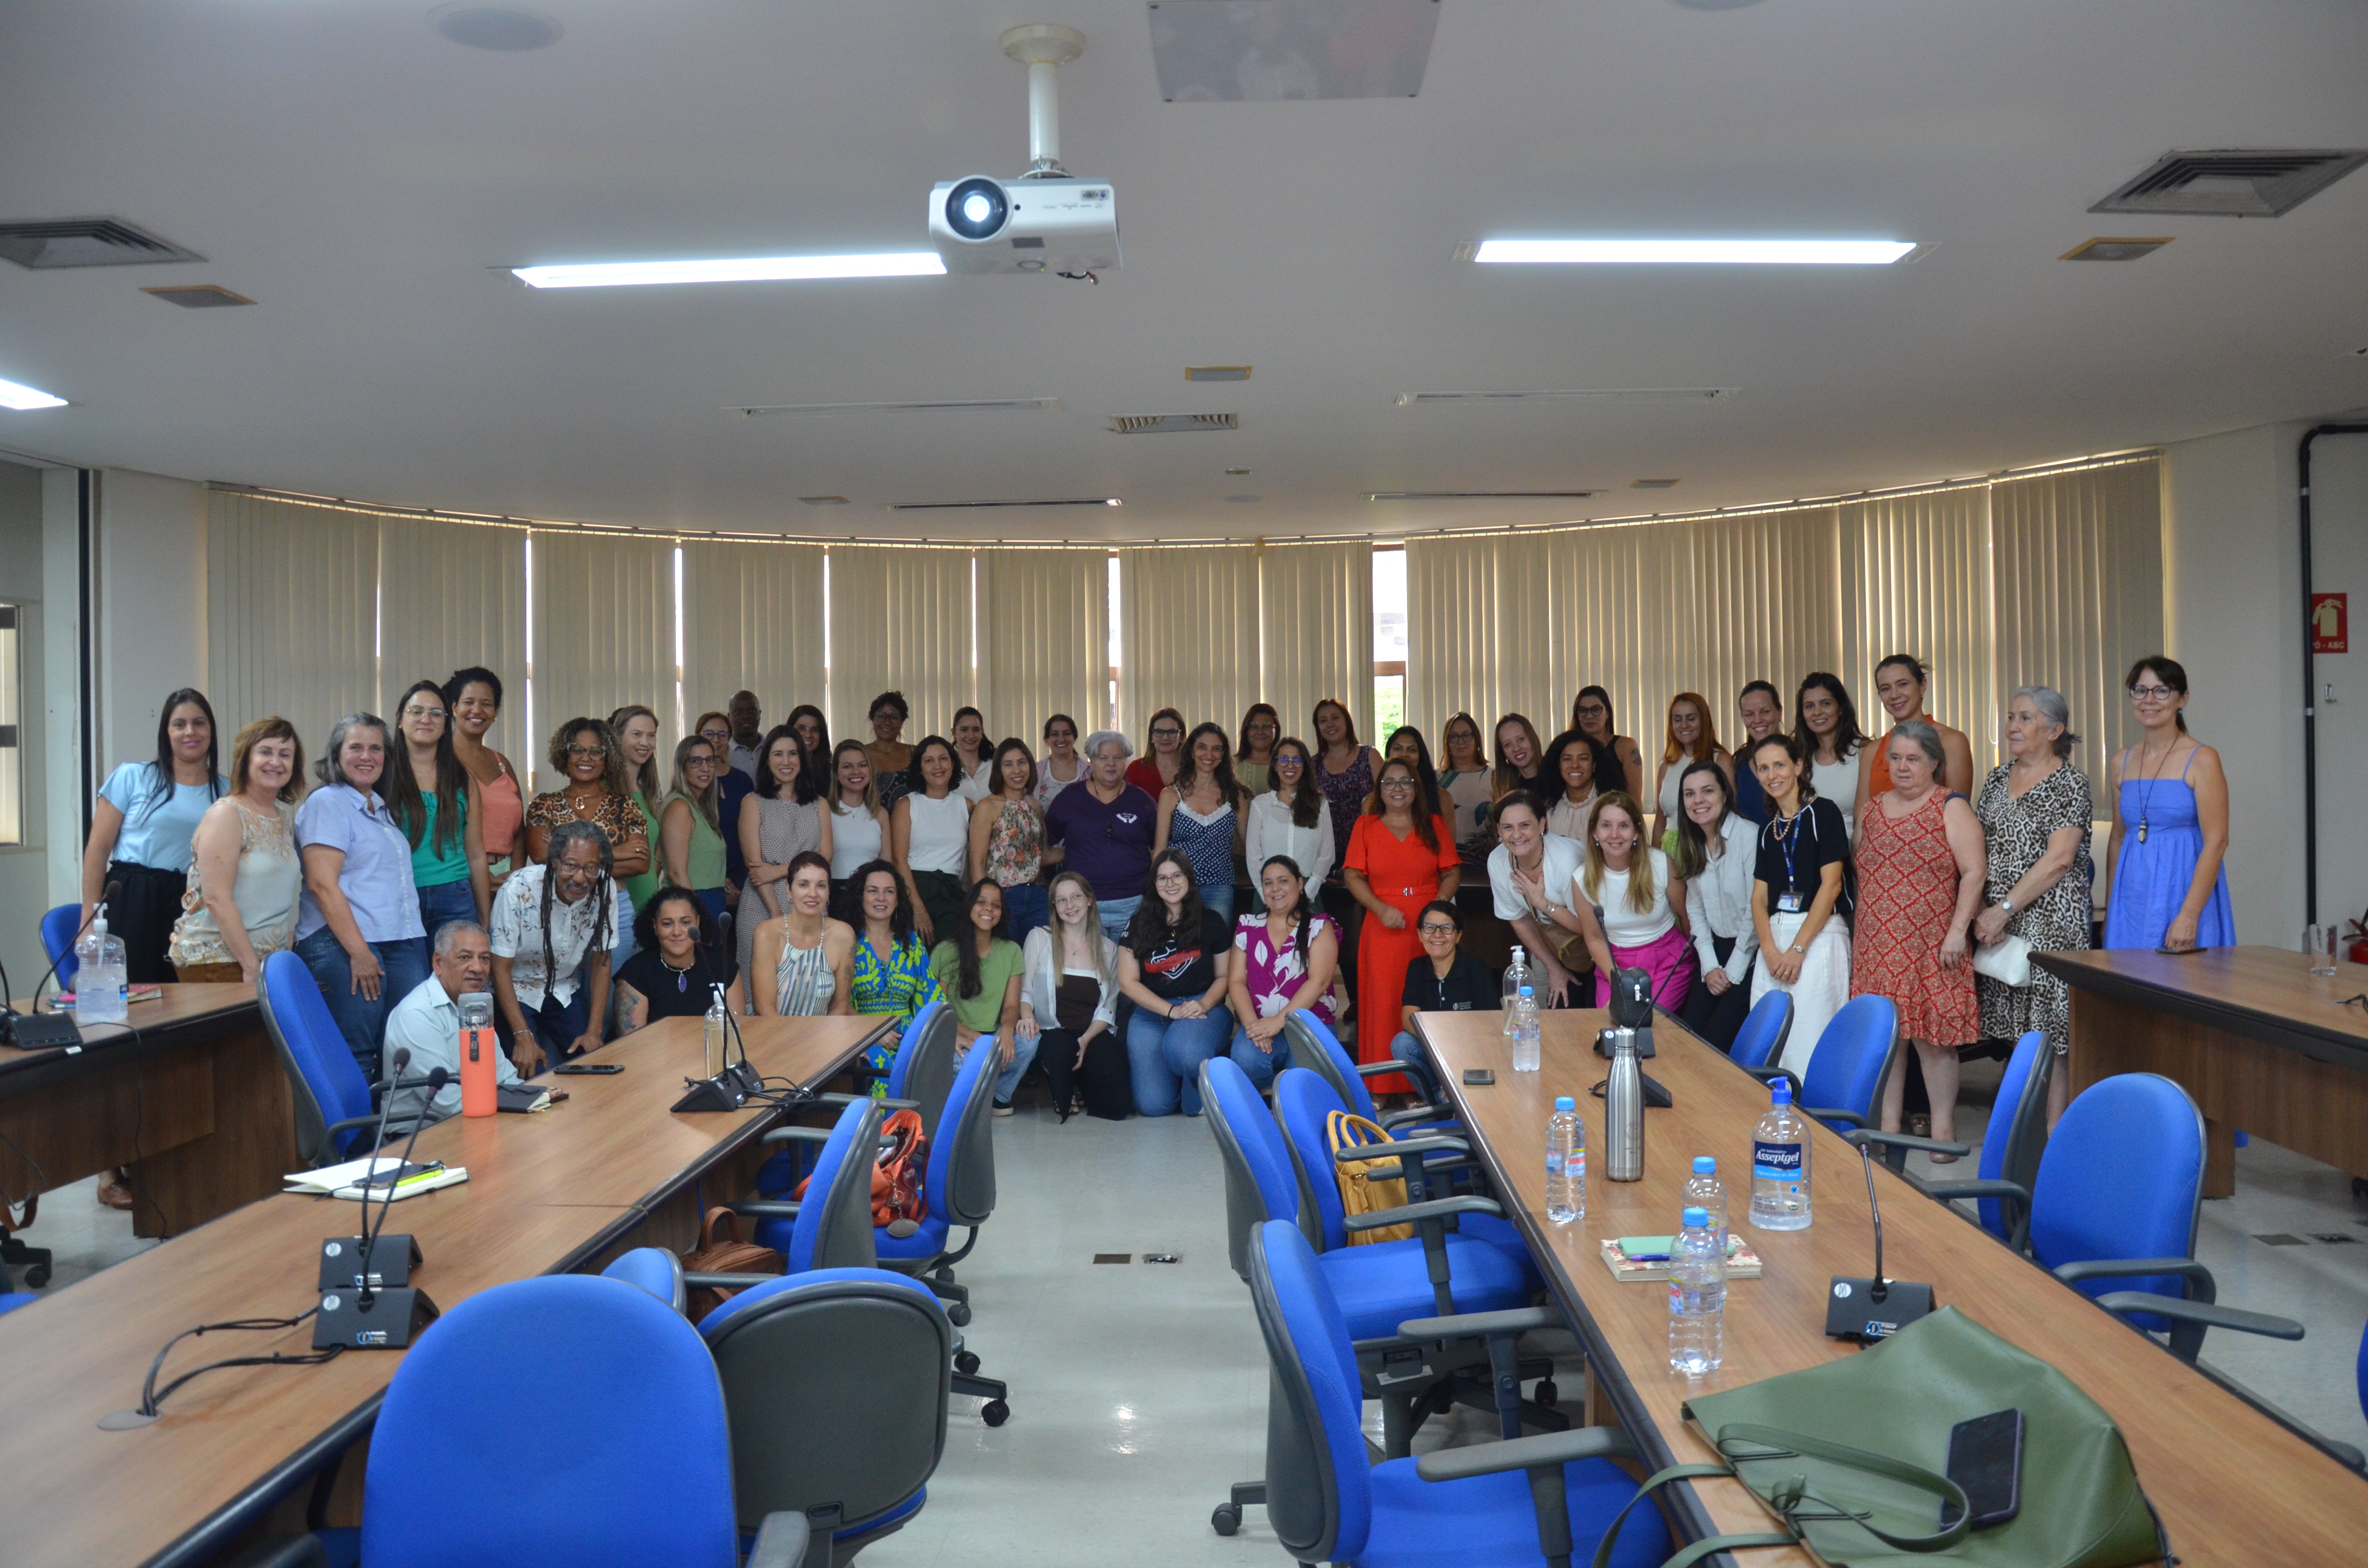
[[2233, 1485], [2263, 993], [546, 1193], [168, 1016]]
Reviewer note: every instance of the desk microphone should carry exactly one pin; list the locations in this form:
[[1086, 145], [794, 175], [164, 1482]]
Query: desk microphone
[[38, 1030], [361, 1306], [1876, 1308]]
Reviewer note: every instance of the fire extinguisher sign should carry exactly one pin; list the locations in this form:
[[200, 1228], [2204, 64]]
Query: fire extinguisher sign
[[2330, 624]]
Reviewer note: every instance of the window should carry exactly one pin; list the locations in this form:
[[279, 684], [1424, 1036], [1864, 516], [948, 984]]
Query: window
[[1389, 641], [12, 751]]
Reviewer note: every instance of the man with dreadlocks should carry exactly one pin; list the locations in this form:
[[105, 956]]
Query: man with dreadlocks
[[546, 919]]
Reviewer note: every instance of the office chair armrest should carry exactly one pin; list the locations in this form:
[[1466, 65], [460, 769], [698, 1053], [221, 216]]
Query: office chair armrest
[[2123, 1267], [1429, 1115], [2208, 1313], [781, 1540], [1359, 1154], [286, 1551], [1379, 1069], [859, 1099], [325, 1153], [766, 1208], [1479, 1325], [1414, 1213], [1983, 1187], [797, 1135], [694, 1282], [1902, 1141], [1857, 1122], [1556, 1448]]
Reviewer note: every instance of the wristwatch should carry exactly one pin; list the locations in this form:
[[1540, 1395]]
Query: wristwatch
[[2007, 905]]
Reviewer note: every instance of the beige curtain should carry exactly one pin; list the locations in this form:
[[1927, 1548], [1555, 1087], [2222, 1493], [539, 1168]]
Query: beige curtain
[[900, 619], [1315, 626], [292, 609], [1476, 633], [602, 609], [2078, 559], [752, 621], [1043, 639], [451, 595], [1188, 635], [1916, 580]]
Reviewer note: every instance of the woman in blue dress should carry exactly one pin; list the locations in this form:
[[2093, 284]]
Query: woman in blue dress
[[2170, 826]]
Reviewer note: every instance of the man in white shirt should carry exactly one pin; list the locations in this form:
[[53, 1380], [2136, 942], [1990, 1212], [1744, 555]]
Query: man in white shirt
[[551, 922], [427, 1022]]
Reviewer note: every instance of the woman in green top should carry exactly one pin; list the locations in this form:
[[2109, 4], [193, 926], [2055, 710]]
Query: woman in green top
[[691, 838], [436, 803], [636, 729], [979, 970]]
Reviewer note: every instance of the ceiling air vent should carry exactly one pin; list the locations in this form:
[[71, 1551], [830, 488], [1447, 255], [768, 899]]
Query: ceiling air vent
[[2234, 182], [199, 296], [86, 242], [1605, 394], [1216, 372], [978, 405], [2105, 248], [1166, 424]]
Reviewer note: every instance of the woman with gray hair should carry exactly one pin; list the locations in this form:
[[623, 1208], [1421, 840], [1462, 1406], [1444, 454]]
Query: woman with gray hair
[[2034, 812], [358, 926], [1919, 866]]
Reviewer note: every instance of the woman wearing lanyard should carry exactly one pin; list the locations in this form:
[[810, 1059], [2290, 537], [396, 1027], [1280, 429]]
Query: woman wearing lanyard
[[140, 828], [1800, 899]]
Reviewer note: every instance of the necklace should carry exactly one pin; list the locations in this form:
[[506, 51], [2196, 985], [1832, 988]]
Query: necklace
[[2146, 790], [681, 976]]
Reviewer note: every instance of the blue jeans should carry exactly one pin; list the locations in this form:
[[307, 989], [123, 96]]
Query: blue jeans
[[1408, 1050], [1261, 1065], [441, 905], [1024, 909], [1023, 1056], [360, 1019], [557, 1025], [1219, 901], [1164, 1057], [1117, 915]]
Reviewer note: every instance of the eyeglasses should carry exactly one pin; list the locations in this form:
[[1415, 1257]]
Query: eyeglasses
[[1433, 929], [2151, 693], [1166, 734], [699, 762], [423, 712], [587, 751], [715, 734], [1591, 708], [1397, 783]]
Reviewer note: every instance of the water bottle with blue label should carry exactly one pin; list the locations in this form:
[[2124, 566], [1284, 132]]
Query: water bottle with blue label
[[1697, 1298], [1780, 1164]]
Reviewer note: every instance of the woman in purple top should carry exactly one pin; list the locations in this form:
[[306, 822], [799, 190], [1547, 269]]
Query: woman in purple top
[[1288, 953]]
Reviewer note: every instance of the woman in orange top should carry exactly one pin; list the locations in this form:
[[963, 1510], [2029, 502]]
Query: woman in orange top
[[1399, 860], [1901, 682]]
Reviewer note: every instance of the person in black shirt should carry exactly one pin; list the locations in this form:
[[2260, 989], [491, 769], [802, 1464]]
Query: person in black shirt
[[1799, 898], [1173, 967], [673, 972], [1445, 979]]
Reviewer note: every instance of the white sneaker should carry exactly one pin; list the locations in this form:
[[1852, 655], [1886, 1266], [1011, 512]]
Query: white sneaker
[[1002, 1109]]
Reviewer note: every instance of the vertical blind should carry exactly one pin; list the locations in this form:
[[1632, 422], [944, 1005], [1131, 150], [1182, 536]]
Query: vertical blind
[[1916, 580], [1043, 624], [1190, 634], [291, 611], [602, 609], [1477, 638], [902, 622], [752, 621], [1315, 635], [451, 594]]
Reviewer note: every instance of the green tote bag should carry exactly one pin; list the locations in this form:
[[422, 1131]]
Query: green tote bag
[[1849, 1458]]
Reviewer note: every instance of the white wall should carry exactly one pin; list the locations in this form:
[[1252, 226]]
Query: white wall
[[150, 606], [62, 691], [24, 866], [2338, 527]]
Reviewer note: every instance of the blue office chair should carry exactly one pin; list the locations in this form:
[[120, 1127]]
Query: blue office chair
[[918, 1078], [858, 1354], [58, 928], [333, 1101], [653, 1269], [1481, 1506], [1314, 1047], [1760, 1041], [2011, 1145], [10, 1302], [959, 1185], [1845, 1075], [638, 1402]]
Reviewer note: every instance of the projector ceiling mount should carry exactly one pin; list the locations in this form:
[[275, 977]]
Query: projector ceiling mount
[[1044, 48], [1047, 220]]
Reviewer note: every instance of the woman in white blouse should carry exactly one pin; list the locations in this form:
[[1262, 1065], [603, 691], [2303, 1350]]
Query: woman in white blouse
[[1717, 848], [1069, 1003], [1294, 818], [974, 756], [859, 828], [1626, 903]]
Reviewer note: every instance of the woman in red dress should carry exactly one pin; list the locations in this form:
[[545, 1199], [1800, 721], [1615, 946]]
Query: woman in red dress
[[1921, 865], [1399, 860]]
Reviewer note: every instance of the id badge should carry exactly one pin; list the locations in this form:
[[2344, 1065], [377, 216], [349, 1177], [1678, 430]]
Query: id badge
[[1788, 903]]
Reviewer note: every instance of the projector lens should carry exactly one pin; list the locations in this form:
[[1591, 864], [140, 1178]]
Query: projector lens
[[976, 208]]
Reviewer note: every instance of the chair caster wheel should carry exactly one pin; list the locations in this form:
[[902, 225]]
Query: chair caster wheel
[[1548, 1394], [958, 1313], [995, 1412], [1227, 1519], [965, 1362]]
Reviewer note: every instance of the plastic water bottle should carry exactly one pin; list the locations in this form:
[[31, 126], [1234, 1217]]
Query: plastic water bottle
[[1780, 1164], [1697, 1298], [1516, 975], [1525, 1033], [710, 1034], [1565, 1163], [102, 991], [1703, 1190]]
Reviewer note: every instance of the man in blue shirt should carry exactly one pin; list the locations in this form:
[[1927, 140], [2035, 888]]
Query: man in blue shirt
[[427, 1022], [1102, 829]]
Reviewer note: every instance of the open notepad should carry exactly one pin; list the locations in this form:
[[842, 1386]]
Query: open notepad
[[346, 1180]]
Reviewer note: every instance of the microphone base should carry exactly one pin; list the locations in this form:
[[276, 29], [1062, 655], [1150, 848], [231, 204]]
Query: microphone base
[[390, 1321], [392, 1257], [1853, 1311], [44, 1031], [745, 1075], [721, 1092]]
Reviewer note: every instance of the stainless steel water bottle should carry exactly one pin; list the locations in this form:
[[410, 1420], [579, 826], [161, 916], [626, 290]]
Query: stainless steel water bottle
[[1623, 1111]]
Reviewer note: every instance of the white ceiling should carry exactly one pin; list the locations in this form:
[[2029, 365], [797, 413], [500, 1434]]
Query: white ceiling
[[363, 179]]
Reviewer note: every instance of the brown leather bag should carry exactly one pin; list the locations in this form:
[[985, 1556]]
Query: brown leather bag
[[729, 1256]]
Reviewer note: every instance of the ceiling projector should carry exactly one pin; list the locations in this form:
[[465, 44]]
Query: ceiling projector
[[1043, 221]]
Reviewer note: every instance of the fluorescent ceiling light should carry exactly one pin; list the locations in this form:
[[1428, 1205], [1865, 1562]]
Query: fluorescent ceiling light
[[1789, 253], [15, 395], [741, 269]]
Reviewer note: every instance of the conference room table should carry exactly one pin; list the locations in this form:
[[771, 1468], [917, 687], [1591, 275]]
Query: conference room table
[[2260, 1043], [556, 1191], [2232, 1485], [188, 1091]]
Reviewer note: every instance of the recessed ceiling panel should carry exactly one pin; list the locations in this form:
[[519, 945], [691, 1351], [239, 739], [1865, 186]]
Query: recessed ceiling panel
[[1219, 51]]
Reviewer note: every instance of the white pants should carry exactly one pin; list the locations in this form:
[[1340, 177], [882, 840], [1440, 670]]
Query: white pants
[[1817, 994]]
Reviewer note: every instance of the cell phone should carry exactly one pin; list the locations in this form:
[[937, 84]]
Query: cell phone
[[1986, 1459], [1482, 1075], [2181, 952], [599, 1069]]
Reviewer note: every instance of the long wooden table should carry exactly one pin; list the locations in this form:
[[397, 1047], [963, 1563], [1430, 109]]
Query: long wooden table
[[550, 1193], [188, 1091], [2233, 1485], [2258, 1041]]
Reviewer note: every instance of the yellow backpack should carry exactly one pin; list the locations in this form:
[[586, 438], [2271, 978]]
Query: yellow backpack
[[1361, 1193]]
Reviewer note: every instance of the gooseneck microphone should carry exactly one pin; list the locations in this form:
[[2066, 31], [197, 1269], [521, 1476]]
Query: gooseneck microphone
[[364, 1306], [1875, 1308], [39, 1031]]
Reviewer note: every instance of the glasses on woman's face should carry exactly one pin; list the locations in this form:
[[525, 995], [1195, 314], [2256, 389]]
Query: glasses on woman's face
[[2151, 694], [416, 711], [587, 751], [696, 763], [1397, 786], [1435, 931], [718, 734], [1167, 734]]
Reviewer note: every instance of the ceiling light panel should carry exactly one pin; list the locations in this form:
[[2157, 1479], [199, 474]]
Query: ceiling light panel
[[18, 396], [943, 405], [1681, 253], [1605, 394], [199, 296], [740, 269]]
